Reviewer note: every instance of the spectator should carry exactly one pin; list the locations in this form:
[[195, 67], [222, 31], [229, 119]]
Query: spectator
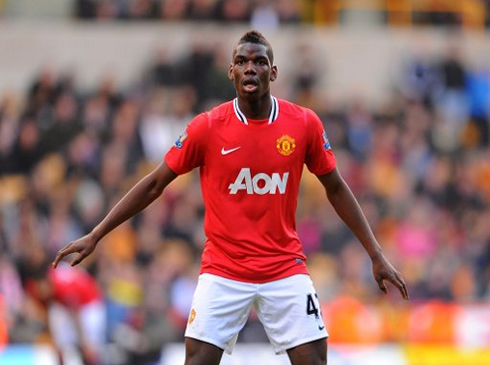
[[452, 105]]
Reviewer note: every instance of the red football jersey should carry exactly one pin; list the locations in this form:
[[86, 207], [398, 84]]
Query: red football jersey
[[250, 173], [73, 286]]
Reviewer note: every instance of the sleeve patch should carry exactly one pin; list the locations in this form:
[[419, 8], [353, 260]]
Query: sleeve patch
[[326, 142], [180, 141]]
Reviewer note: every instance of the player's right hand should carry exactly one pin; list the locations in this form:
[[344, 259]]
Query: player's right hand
[[83, 247]]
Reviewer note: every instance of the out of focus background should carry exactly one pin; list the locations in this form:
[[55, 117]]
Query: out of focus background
[[94, 92]]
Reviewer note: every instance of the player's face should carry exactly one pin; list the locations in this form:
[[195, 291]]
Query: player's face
[[251, 71]]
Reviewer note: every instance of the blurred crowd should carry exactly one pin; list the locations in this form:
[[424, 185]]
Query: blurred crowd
[[271, 13], [228, 11], [419, 165]]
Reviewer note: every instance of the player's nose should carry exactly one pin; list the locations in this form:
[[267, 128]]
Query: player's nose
[[249, 67]]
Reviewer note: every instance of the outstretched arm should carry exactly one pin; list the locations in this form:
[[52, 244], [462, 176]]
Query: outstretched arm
[[348, 209], [147, 190]]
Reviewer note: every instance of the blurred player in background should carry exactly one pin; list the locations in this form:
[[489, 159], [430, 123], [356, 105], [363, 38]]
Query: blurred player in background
[[75, 310], [251, 152]]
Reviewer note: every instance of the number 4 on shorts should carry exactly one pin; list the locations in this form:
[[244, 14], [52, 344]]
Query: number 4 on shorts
[[311, 307]]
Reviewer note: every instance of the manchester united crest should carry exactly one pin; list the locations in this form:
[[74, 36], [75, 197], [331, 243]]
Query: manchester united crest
[[285, 145], [192, 316]]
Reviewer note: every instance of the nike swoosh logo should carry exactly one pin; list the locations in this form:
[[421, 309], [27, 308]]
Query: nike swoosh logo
[[225, 152], [321, 327]]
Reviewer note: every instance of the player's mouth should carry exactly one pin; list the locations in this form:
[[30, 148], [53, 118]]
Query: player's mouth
[[250, 85]]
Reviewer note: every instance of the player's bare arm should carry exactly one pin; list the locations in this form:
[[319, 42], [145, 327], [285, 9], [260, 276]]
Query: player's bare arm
[[348, 209], [147, 190]]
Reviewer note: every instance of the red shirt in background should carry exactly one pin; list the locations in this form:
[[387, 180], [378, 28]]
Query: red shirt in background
[[73, 286]]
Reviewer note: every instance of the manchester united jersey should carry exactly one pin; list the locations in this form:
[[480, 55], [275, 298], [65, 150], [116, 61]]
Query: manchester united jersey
[[74, 287], [250, 173]]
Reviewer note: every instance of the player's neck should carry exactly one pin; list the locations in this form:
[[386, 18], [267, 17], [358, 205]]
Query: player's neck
[[256, 109]]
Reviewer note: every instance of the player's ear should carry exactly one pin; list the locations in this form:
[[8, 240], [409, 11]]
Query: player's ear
[[230, 72], [273, 76]]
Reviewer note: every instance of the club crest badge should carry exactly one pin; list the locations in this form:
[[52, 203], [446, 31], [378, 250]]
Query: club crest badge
[[192, 316], [285, 145]]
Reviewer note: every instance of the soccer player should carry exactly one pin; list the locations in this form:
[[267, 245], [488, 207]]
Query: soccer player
[[75, 309], [251, 152]]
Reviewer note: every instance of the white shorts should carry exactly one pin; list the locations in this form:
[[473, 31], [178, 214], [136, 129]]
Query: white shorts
[[91, 323], [287, 308]]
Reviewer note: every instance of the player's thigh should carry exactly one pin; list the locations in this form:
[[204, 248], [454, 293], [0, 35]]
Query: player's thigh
[[220, 309], [201, 353], [93, 323], [62, 326], [311, 353], [290, 312]]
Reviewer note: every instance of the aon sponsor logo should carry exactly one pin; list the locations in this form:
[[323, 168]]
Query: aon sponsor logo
[[260, 183]]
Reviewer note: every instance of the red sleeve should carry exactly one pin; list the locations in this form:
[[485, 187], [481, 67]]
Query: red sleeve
[[187, 152], [320, 159]]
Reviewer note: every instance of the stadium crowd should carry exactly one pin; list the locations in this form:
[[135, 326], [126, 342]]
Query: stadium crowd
[[228, 11], [272, 13], [419, 164]]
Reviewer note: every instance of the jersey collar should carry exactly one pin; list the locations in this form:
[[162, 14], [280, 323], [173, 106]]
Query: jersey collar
[[272, 116]]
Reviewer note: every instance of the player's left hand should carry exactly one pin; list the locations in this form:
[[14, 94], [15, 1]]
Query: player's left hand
[[383, 270]]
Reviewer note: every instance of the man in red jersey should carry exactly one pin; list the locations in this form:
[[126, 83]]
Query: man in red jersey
[[75, 310], [251, 152]]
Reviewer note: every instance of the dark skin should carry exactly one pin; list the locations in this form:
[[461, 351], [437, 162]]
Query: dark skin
[[251, 72]]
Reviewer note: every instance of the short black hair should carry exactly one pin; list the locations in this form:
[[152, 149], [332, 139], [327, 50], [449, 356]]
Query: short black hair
[[254, 36]]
